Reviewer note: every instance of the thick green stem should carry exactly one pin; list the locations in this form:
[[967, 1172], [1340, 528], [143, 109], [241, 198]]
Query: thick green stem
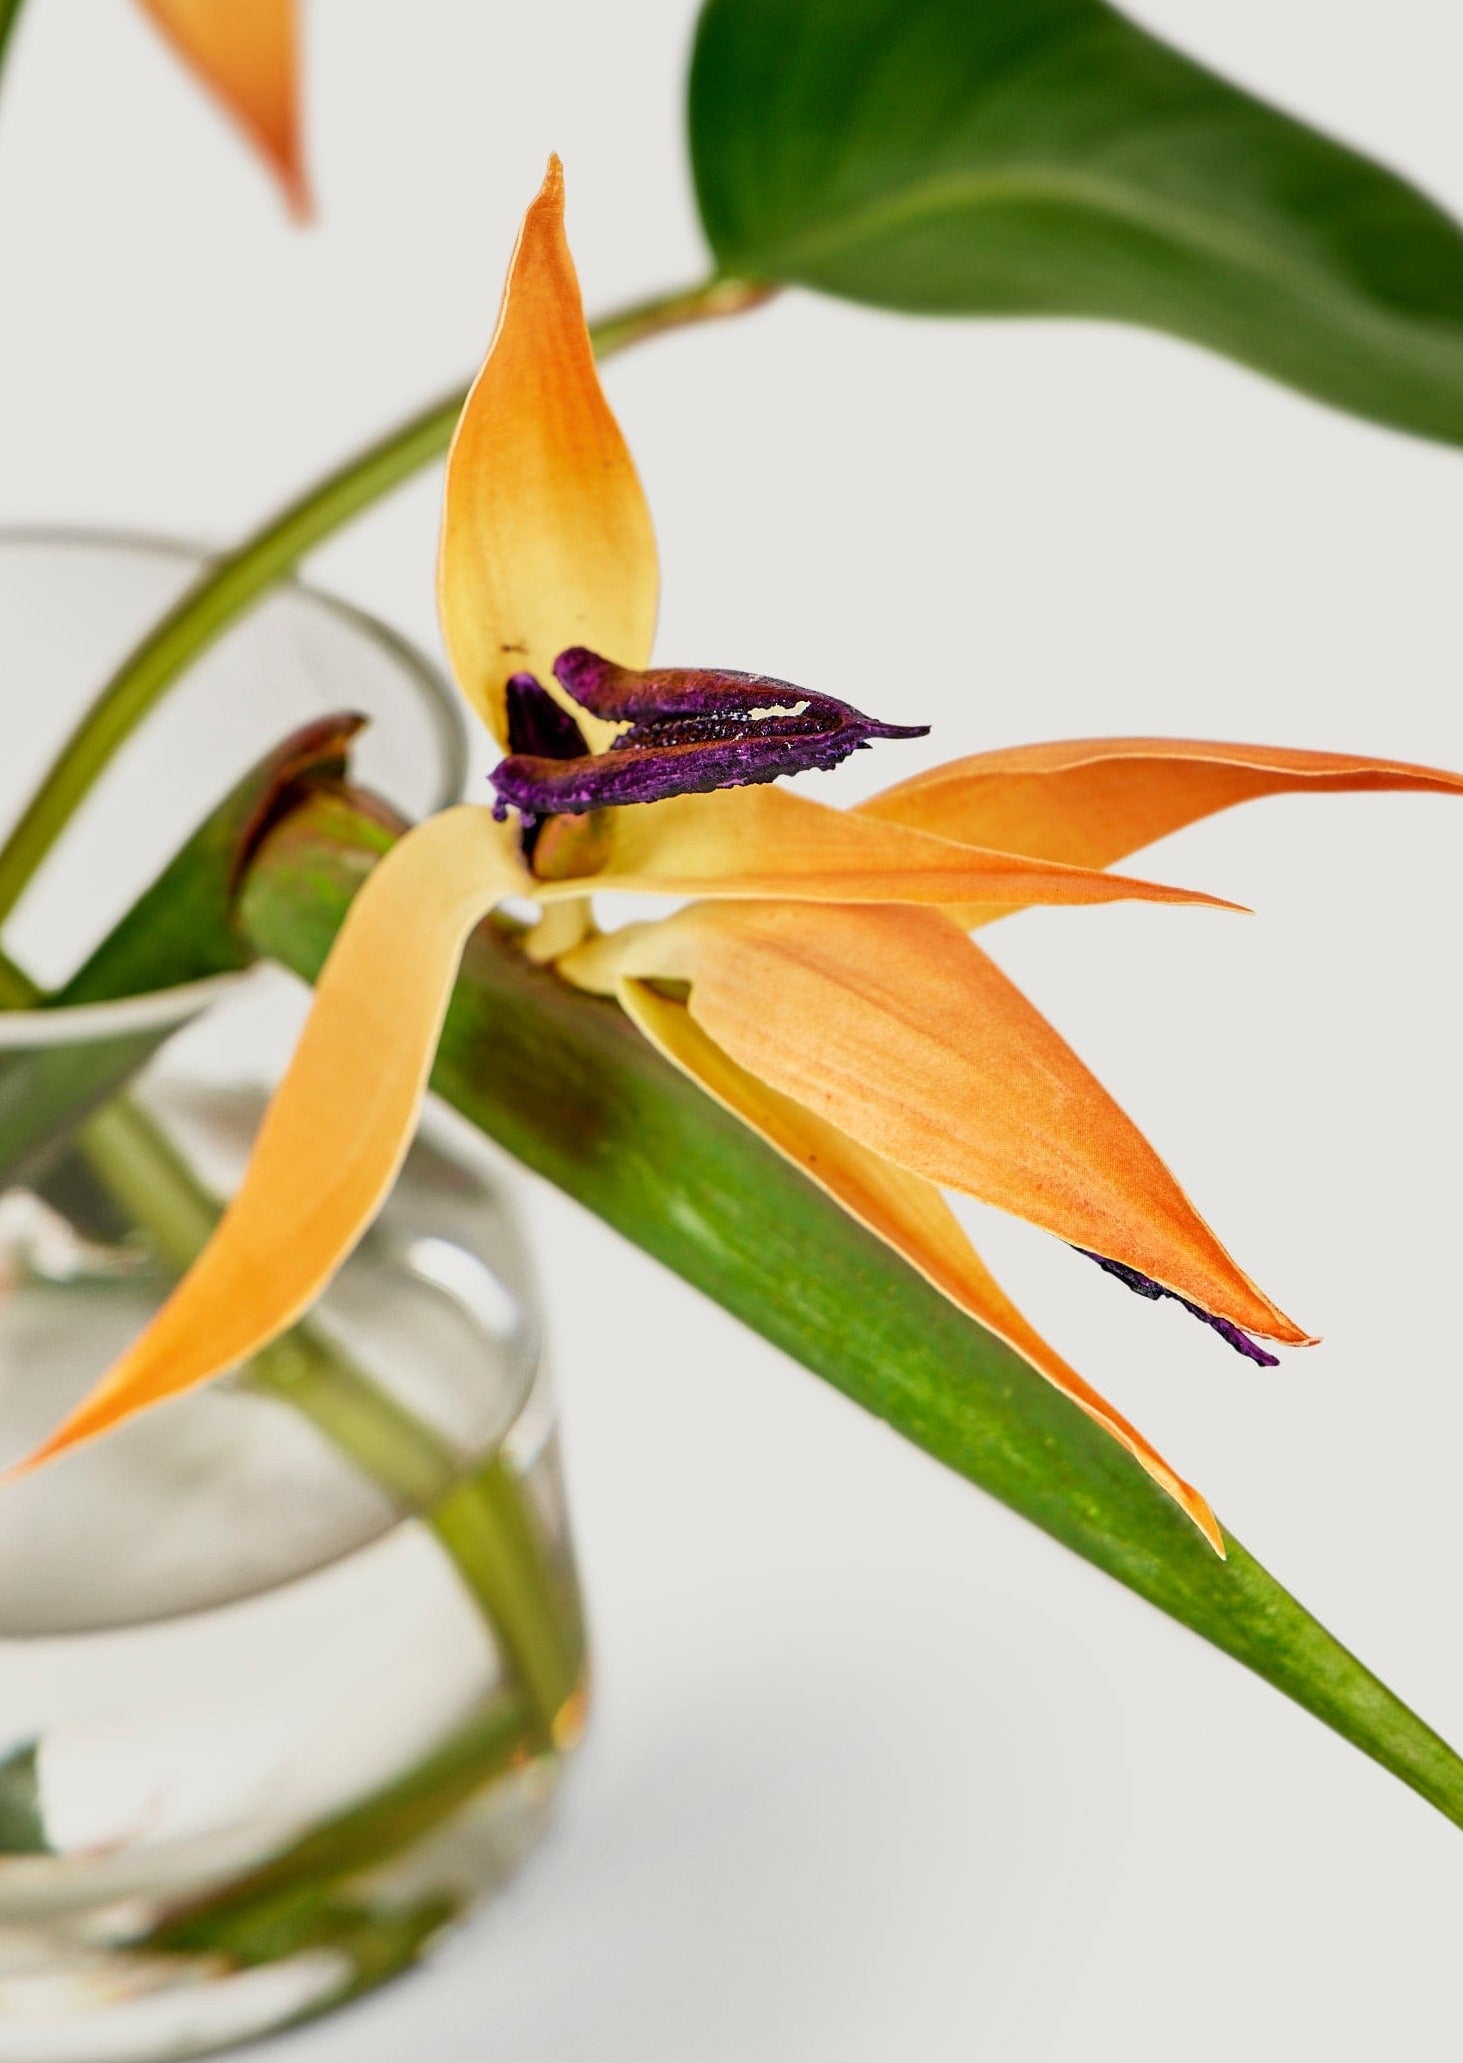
[[566, 1084], [226, 588]]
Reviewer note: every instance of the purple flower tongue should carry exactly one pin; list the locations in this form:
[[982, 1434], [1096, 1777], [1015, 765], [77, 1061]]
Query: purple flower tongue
[[1144, 1286], [689, 731]]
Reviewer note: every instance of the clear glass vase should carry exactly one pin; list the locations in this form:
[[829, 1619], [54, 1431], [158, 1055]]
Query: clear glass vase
[[287, 1667]]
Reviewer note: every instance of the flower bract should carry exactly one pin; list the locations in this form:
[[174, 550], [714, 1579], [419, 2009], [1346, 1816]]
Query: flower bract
[[820, 978]]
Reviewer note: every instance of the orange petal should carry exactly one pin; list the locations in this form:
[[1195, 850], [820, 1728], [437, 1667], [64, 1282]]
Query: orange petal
[[769, 842], [906, 1212], [546, 537], [247, 53], [895, 1028], [1094, 801], [338, 1127]]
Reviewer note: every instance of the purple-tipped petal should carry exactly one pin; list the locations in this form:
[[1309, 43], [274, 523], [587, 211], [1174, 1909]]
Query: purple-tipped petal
[[688, 731], [686, 699], [1144, 1286]]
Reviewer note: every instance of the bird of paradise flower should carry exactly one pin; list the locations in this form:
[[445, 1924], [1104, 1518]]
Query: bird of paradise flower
[[820, 981]]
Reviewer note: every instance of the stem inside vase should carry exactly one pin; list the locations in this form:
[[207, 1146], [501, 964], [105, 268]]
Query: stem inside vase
[[481, 1521]]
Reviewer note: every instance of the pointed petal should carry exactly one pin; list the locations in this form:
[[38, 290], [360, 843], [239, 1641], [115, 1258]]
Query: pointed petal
[[1093, 801], [339, 1125], [769, 842], [902, 1209], [546, 537], [711, 698], [891, 1025], [247, 53]]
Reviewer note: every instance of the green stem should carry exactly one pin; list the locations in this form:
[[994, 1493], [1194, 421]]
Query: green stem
[[489, 1535], [225, 589]]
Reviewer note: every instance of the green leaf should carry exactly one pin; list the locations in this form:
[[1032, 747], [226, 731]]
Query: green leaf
[[1048, 157], [564, 1082]]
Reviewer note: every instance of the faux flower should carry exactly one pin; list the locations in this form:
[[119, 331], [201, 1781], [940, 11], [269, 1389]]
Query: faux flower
[[820, 978], [247, 54]]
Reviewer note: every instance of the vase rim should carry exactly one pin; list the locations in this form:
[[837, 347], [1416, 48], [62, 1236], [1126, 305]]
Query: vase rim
[[169, 1009], [442, 700]]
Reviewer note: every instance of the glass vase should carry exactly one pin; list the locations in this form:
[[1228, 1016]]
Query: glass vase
[[288, 1667]]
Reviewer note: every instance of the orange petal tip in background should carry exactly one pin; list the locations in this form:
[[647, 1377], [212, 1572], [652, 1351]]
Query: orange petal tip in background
[[247, 53]]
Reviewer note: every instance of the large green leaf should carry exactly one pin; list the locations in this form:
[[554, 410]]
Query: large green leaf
[[999, 157]]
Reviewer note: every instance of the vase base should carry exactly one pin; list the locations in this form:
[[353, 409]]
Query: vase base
[[280, 1946]]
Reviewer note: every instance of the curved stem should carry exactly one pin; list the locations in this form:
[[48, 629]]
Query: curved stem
[[709, 301], [227, 587]]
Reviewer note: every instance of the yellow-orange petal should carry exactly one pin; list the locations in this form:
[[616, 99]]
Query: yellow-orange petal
[[546, 536], [894, 1027], [769, 842], [338, 1128], [1091, 802], [247, 53], [905, 1211]]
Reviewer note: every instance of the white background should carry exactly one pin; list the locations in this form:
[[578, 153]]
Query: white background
[[876, 1770]]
